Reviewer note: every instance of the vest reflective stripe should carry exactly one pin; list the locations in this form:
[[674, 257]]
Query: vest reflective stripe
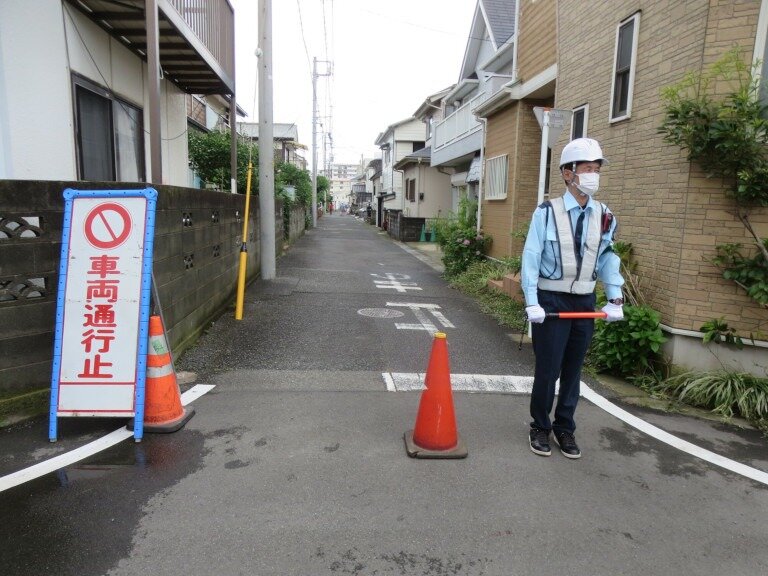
[[572, 279]]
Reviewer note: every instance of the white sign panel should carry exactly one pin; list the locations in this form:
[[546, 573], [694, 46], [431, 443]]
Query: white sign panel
[[558, 119], [99, 344]]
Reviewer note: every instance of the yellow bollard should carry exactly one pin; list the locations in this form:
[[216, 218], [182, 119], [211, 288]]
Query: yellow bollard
[[243, 250]]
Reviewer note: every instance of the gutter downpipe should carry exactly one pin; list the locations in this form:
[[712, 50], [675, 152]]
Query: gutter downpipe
[[482, 176]]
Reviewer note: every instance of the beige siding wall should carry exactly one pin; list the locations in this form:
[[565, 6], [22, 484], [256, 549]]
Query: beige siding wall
[[537, 50], [672, 215]]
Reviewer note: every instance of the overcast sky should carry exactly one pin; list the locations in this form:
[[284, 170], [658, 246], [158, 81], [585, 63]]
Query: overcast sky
[[388, 55]]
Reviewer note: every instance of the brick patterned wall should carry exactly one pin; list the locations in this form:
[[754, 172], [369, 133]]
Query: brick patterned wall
[[668, 210], [497, 214], [537, 49]]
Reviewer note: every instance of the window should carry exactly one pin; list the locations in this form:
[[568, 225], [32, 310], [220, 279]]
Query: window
[[410, 189], [418, 145], [110, 135], [579, 122], [624, 68], [496, 177]]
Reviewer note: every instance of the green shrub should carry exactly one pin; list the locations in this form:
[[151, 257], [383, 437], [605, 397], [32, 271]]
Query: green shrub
[[724, 392], [474, 282], [462, 247], [628, 348]]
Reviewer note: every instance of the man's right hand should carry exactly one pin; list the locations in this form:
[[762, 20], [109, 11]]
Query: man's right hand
[[535, 314]]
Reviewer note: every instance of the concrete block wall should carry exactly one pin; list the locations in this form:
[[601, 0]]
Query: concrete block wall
[[198, 234]]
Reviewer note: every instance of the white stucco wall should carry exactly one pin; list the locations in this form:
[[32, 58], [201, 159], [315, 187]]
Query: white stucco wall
[[41, 41], [36, 133]]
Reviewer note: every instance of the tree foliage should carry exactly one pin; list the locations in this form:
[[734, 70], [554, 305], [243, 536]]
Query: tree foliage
[[209, 155], [728, 138]]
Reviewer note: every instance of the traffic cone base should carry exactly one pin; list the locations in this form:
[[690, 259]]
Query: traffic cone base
[[169, 426], [415, 451]]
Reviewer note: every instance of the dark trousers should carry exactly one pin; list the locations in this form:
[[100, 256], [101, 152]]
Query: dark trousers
[[560, 347]]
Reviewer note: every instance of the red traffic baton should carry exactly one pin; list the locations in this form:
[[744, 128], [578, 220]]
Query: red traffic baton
[[576, 315]]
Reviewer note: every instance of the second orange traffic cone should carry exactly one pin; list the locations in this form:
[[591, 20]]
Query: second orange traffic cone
[[163, 411], [435, 435]]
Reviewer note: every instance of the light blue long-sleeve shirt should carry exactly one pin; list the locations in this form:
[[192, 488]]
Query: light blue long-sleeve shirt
[[541, 254]]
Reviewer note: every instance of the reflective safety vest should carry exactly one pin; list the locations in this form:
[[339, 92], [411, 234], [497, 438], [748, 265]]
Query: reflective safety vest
[[577, 276]]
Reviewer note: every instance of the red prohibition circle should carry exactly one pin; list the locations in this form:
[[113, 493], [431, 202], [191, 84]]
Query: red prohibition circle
[[110, 238]]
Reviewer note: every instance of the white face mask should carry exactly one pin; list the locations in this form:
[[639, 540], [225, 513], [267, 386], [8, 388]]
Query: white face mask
[[589, 182]]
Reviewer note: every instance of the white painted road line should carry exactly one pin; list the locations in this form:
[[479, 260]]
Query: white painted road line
[[412, 381], [73, 456], [406, 382], [674, 441]]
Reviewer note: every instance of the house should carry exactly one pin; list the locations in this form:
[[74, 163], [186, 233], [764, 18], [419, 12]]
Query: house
[[487, 64], [397, 141], [426, 190], [286, 140], [512, 153], [371, 169], [610, 79], [79, 99]]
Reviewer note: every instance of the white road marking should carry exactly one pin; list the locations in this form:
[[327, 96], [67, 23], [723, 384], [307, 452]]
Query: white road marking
[[395, 282], [402, 382], [394, 285], [69, 458], [424, 322], [412, 381], [674, 441]]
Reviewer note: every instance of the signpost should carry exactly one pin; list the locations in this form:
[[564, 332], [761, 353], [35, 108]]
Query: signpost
[[552, 121], [102, 307]]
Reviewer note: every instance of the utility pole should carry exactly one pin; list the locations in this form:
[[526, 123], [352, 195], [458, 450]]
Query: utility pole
[[314, 142], [315, 76], [266, 145]]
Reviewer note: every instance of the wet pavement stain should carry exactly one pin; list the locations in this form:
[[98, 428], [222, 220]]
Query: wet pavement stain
[[333, 448], [233, 464], [60, 518], [402, 563], [669, 461]]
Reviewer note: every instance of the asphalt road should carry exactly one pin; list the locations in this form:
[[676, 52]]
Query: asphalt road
[[295, 465]]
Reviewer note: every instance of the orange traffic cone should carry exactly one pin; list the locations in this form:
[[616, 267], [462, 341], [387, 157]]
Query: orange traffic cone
[[434, 435], [163, 411]]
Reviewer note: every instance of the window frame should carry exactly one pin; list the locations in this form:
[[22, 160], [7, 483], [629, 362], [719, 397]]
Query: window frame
[[584, 107], [635, 19], [760, 52], [81, 82], [489, 181]]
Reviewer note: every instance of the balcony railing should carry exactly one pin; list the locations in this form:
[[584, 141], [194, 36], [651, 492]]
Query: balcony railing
[[213, 22], [460, 124]]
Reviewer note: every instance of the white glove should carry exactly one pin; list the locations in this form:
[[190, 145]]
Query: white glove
[[614, 312], [536, 314]]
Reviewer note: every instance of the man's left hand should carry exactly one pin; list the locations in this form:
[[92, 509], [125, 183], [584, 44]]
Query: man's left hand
[[613, 312]]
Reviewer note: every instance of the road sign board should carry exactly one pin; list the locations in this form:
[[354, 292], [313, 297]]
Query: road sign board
[[102, 310], [557, 121]]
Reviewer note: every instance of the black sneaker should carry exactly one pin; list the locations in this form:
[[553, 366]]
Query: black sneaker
[[539, 440], [567, 443]]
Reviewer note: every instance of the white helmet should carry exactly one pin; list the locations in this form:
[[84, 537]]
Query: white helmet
[[582, 150]]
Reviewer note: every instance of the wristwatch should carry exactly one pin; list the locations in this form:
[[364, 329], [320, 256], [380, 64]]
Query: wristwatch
[[616, 301]]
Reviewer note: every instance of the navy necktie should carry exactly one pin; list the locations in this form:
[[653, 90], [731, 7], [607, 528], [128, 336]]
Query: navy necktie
[[577, 235]]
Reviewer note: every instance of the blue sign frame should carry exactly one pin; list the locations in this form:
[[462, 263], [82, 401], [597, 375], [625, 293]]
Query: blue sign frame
[[70, 194]]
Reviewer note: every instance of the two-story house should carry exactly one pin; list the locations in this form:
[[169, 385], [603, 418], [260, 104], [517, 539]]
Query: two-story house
[[488, 61], [398, 140], [78, 96], [512, 154], [285, 138]]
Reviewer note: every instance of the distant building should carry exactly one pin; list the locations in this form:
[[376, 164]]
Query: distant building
[[286, 139]]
